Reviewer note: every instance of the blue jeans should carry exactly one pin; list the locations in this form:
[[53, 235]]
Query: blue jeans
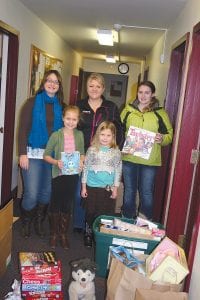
[[138, 177], [78, 210], [36, 184]]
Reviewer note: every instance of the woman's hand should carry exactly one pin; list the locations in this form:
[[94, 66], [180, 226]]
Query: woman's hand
[[158, 138], [24, 162]]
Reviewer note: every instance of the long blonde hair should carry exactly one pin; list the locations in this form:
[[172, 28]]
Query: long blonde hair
[[105, 125]]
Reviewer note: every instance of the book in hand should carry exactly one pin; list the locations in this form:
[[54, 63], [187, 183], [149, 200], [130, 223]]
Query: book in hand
[[139, 142], [71, 163]]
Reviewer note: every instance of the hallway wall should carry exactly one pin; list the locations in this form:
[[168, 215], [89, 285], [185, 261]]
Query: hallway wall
[[33, 31]]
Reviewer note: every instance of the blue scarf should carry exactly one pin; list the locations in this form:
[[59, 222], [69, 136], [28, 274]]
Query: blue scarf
[[38, 135]]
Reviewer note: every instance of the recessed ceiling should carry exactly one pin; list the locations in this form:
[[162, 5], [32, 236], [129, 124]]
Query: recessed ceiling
[[77, 21]]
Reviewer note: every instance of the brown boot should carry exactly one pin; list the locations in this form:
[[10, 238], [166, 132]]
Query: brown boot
[[54, 229], [64, 225]]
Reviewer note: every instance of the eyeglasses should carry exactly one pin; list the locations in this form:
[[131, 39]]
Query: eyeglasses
[[56, 82]]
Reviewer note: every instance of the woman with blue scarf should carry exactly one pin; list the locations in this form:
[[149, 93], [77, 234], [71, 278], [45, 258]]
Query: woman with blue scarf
[[40, 116]]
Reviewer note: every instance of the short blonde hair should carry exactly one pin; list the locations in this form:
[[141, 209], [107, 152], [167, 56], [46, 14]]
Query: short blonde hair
[[105, 125], [98, 77]]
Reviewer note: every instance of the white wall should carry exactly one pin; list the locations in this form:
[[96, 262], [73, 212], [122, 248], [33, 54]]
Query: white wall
[[33, 31], [92, 65]]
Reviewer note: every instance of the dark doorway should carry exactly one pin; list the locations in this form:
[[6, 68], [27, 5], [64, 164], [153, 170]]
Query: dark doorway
[[8, 122]]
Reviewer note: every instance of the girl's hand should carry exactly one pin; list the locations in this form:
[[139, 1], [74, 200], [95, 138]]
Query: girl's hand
[[81, 166], [60, 164], [84, 193], [114, 193], [24, 162], [158, 138]]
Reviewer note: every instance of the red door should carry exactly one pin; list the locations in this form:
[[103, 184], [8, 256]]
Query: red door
[[186, 166], [171, 105]]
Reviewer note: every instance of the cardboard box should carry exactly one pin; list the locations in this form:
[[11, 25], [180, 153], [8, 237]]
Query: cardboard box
[[6, 221], [6, 218], [171, 266], [130, 234], [5, 254]]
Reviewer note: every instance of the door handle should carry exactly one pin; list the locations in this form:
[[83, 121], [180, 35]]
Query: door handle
[[1, 129]]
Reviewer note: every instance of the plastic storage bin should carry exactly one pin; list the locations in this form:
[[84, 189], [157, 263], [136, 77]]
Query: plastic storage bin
[[103, 241]]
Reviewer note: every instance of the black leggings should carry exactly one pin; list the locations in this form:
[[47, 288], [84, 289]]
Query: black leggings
[[63, 193]]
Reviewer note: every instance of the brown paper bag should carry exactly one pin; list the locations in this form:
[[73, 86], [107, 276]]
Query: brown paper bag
[[122, 282], [142, 294]]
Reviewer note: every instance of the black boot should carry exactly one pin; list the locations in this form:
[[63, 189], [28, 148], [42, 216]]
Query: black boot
[[88, 236], [64, 225], [27, 217], [41, 213], [54, 219]]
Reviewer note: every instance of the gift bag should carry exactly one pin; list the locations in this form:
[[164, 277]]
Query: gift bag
[[122, 283], [142, 294]]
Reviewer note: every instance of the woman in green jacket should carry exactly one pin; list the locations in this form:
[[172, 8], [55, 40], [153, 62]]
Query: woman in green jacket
[[138, 172]]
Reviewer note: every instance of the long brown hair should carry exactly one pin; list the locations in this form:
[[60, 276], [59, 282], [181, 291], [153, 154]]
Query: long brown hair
[[105, 125], [154, 101], [59, 93]]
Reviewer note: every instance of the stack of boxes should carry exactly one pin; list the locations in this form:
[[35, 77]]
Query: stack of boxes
[[40, 276]]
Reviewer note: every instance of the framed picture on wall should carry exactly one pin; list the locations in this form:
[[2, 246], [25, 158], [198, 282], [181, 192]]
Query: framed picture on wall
[[40, 62]]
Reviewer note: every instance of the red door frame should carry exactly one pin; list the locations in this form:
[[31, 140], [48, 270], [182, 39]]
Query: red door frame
[[192, 232]]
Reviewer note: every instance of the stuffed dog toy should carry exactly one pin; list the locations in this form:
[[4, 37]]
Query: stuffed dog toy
[[83, 273]]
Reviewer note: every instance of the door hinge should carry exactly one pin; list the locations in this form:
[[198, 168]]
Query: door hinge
[[194, 158]]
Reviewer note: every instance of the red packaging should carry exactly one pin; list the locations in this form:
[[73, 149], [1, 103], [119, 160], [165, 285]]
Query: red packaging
[[43, 295], [29, 270]]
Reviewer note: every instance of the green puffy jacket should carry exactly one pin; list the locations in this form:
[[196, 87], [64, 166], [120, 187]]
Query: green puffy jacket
[[149, 121]]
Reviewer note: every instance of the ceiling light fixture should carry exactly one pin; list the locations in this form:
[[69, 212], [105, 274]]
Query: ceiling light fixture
[[110, 59], [105, 37]]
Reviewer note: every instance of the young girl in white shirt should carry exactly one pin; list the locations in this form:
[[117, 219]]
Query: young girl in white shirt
[[101, 176]]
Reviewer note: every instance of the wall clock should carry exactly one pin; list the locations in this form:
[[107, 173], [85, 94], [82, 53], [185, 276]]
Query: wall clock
[[123, 68]]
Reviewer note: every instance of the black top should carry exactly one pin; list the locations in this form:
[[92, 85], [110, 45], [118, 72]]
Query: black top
[[108, 111]]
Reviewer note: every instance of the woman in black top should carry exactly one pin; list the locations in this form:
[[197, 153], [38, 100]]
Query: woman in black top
[[94, 110]]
